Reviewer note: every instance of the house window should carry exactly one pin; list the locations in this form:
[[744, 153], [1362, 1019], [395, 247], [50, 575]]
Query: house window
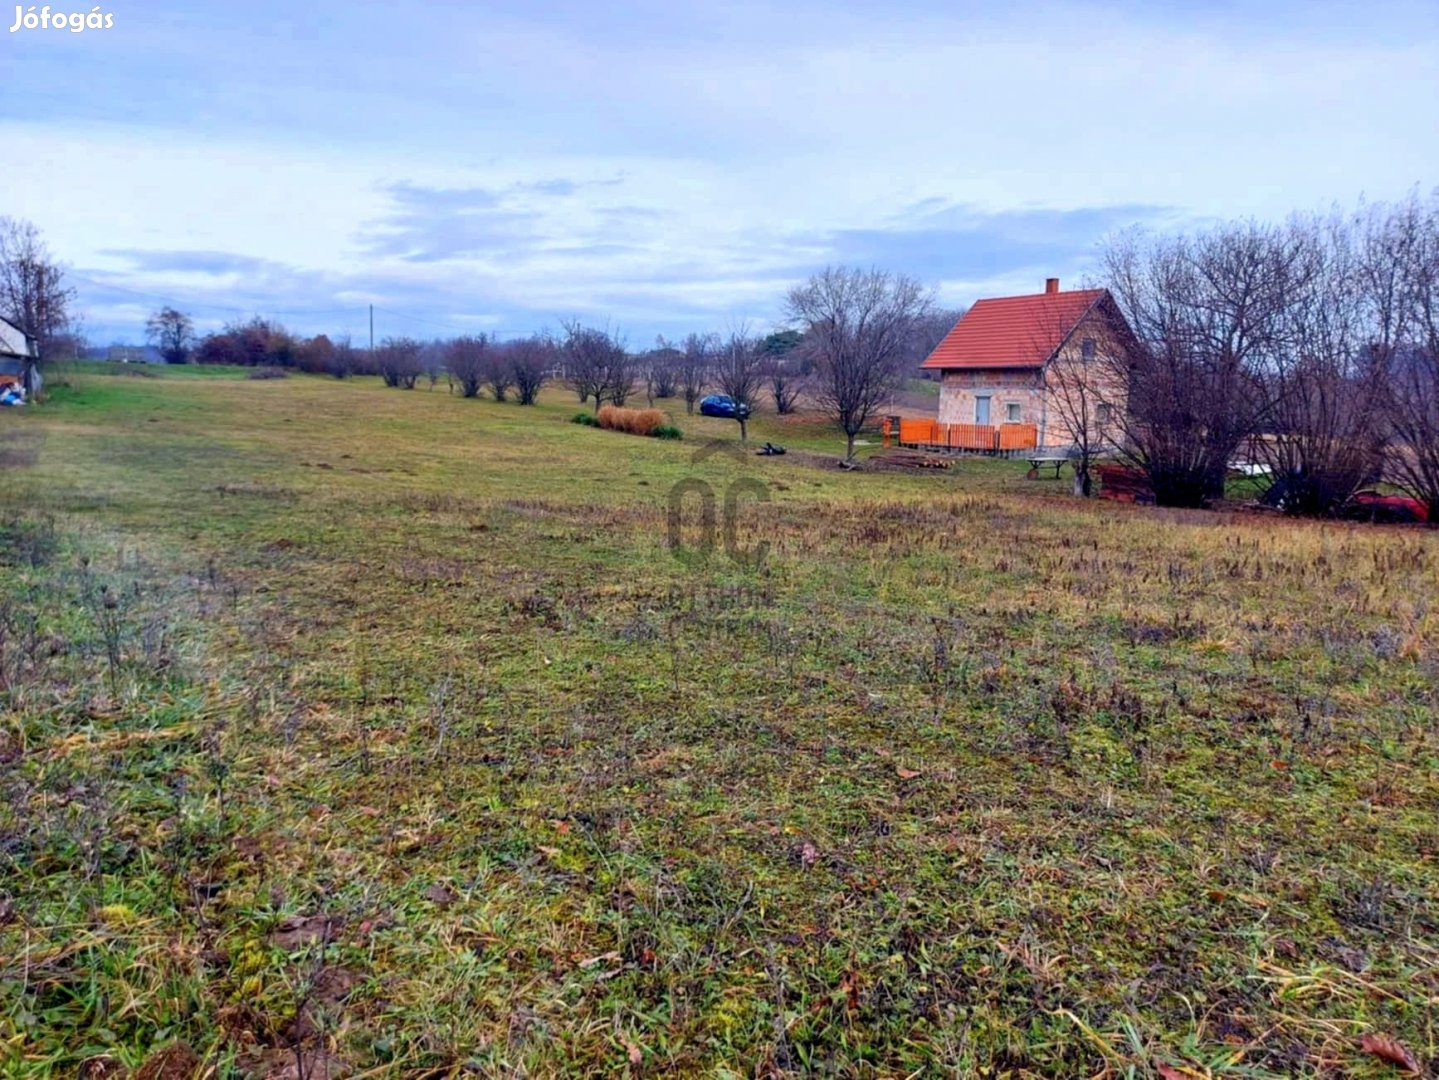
[[1012, 412], [1102, 413], [981, 410], [1086, 348]]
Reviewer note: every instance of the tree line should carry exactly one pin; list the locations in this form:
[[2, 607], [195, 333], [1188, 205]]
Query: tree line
[[854, 336], [1309, 348]]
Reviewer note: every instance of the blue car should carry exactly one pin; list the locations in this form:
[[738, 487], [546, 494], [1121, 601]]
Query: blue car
[[723, 405]]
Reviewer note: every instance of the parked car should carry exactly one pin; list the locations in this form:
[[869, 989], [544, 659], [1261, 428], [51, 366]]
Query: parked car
[[1377, 506], [723, 405]]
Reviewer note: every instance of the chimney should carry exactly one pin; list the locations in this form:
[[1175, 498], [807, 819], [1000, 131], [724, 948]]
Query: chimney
[[1051, 284]]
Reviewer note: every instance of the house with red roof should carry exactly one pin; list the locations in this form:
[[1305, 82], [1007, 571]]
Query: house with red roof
[[1026, 359]]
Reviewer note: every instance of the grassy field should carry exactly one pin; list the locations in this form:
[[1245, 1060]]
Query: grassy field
[[351, 731]]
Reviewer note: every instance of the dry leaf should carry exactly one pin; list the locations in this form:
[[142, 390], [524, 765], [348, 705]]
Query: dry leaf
[[593, 960], [636, 1054], [808, 854], [1168, 1072], [906, 774], [1392, 1051]]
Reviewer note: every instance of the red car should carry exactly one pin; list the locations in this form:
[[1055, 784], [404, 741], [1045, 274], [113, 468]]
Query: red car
[[1376, 506]]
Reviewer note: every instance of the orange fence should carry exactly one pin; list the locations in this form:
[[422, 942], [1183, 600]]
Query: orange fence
[[968, 436], [1018, 436], [983, 438], [918, 431]]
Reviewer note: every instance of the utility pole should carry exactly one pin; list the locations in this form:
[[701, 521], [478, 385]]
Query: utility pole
[[372, 331]]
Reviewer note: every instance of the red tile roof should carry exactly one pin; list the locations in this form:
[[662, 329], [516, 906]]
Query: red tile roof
[[1013, 331]]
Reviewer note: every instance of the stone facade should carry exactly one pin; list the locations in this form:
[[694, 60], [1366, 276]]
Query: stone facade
[[1008, 391]]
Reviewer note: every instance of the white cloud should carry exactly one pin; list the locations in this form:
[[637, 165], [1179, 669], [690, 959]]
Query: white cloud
[[751, 137]]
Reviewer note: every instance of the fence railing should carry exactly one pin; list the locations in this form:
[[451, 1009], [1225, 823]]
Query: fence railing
[[976, 438]]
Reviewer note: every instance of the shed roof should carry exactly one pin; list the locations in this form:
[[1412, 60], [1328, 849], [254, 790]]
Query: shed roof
[[14, 341]]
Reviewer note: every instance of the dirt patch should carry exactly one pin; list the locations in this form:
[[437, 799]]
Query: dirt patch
[[280, 1064], [19, 449], [297, 931], [335, 984], [176, 1062]]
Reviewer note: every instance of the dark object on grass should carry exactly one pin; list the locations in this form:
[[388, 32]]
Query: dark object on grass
[[1391, 509], [723, 405], [1122, 484], [770, 450]]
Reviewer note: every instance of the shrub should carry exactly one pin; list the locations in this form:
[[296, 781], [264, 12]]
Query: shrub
[[467, 359], [587, 419], [268, 373], [630, 421], [667, 431], [530, 362]]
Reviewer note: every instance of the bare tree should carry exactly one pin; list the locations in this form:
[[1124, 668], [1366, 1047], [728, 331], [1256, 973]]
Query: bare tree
[[1209, 313], [345, 361], [738, 374], [1325, 389], [858, 324], [927, 332], [1410, 241], [531, 359], [467, 360], [499, 374], [33, 293], [782, 372], [1082, 383], [660, 370], [623, 373], [1082, 397], [596, 365], [172, 332], [694, 366], [400, 362]]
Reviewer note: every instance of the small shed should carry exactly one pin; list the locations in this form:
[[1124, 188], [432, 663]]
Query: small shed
[[19, 359]]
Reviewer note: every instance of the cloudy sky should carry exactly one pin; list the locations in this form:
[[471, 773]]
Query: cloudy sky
[[666, 166]]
